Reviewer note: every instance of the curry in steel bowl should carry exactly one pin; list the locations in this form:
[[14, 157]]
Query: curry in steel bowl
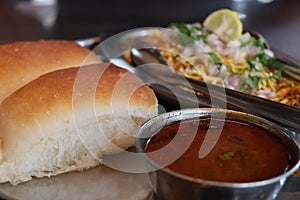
[[241, 154], [240, 164]]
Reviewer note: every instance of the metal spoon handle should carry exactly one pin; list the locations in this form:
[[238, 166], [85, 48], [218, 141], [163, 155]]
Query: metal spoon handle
[[283, 115]]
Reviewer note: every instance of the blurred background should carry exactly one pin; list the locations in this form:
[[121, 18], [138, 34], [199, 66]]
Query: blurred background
[[277, 20]]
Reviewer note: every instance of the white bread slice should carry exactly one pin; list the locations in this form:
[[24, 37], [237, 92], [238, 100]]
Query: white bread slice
[[21, 62], [66, 119]]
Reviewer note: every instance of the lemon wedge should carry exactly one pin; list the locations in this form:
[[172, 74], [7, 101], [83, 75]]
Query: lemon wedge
[[225, 23]]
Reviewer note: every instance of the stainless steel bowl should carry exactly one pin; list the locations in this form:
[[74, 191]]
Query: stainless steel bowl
[[171, 185]]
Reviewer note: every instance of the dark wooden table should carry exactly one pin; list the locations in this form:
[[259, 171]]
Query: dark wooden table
[[277, 20]]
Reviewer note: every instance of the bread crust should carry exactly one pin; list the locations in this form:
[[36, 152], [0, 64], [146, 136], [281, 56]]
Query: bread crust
[[64, 119], [21, 62]]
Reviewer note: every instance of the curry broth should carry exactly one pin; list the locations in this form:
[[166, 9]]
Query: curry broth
[[243, 152]]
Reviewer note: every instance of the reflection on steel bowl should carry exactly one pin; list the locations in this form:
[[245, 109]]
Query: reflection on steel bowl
[[250, 158]]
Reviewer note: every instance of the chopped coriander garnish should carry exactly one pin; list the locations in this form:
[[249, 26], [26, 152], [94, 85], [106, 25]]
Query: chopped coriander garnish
[[251, 40], [204, 35], [261, 43], [191, 67], [276, 74], [240, 74], [263, 58], [193, 32], [250, 83], [181, 27], [251, 63], [256, 42], [227, 155], [215, 58]]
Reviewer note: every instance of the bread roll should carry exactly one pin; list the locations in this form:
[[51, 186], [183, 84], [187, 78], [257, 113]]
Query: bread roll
[[66, 119], [21, 62]]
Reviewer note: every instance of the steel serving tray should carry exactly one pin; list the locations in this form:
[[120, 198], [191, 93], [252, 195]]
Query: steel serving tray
[[103, 182]]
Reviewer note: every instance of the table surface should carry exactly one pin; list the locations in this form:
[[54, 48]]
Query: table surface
[[277, 20]]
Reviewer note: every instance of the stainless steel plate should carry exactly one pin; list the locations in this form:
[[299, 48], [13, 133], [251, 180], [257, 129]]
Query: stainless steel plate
[[103, 183], [97, 183]]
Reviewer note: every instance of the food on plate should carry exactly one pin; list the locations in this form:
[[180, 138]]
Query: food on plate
[[66, 119], [225, 23], [219, 53], [21, 62], [241, 153], [241, 131]]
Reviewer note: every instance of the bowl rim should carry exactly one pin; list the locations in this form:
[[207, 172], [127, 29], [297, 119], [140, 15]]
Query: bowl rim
[[209, 183]]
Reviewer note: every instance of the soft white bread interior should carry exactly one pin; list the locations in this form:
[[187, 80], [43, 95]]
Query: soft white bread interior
[[21, 62], [67, 119]]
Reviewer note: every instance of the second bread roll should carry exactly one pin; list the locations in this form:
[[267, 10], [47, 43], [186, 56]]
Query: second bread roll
[[63, 120]]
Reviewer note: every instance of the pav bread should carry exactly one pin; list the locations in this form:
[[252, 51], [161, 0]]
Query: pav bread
[[21, 62], [67, 119]]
